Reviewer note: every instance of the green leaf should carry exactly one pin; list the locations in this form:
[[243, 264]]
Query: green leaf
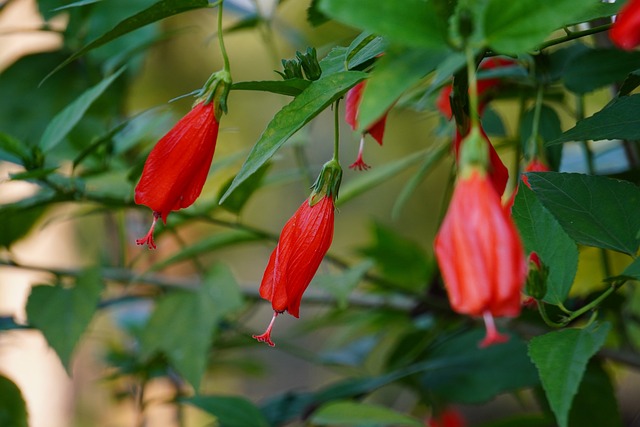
[[66, 119], [596, 403], [630, 83], [183, 323], [561, 358], [315, 98], [593, 210], [541, 233], [18, 218], [75, 4], [63, 314], [341, 285], [398, 70], [399, 259], [595, 68], [236, 200], [348, 413], [314, 16], [517, 27], [156, 12], [209, 244], [633, 270], [13, 409], [364, 48], [14, 151], [618, 120], [291, 87], [473, 374], [376, 176], [601, 10], [230, 411], [410, 22]]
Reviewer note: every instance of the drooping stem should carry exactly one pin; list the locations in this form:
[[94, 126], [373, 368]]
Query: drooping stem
[[336, 131], [532, 148], [223, 50], [473, 89]]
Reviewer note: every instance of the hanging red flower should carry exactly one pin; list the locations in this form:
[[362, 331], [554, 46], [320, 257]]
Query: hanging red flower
[[480, 253], [448, 418], [303, 243], [178, 165], [352, 105], [625, 32], [498, 172]]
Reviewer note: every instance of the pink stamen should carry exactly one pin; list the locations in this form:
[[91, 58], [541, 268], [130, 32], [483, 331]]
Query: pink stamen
[[266, 337], [148, 238], [493, 336], [359, 164]]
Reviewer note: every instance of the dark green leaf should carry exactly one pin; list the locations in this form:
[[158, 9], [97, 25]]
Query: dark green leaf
[[492, 122], [236, 200], [593, 210], [314, 16], [14, 151], [549, 127], [478, 374], [75, 4], [156, 12], [632, 271], [376, 176], [601, 10], [230, 411], [630, 83], [209, 244], [364, 48], [335, 61], [247, 23], [399, 259], [410, 22], [18, 218], [596, 68], [291, 87], [13, 410], [183, 323], [315, 98], [398, 70], [595, 404], [349, 413], [618, 120], [541, 233], [66, 119], [516, 27], [63, 314], [561, 358]]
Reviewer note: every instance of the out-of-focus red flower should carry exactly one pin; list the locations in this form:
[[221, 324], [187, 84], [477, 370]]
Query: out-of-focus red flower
[[625, 32], [498, 172], [352, 105], [480, 254], [178, 165], [303, 243], [448, 418], [485, 87]]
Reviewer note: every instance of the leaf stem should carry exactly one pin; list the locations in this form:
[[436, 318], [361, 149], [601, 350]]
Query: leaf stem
[[574, 35], [223, 50], [473, 88], [336, 131]]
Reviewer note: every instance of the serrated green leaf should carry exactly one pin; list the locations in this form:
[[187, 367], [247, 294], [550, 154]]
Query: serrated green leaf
[[592, 210], [13, 409], [541, 233], [349, 413], [183, 323], [216, 241], [230, 411], [595, 68], [473, 374], [561, 358], [516, 27], [291, 87], [156, 12], [315, 98], [410, 22], [66, 119], [618, 120], [63, 314], [398, 70], [376, 176]]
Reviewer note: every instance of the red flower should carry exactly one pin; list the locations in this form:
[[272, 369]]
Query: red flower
[[480, 254], [448, 418], [498, 172], [177, 167], [304, 241], [625, 32], [352, 105]]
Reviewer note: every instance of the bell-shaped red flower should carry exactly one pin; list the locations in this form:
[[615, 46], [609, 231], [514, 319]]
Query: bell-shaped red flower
[[480, 253], [447, 418], [178, 165], [352, 105], [498, 172], [303, 243], [625, 32]]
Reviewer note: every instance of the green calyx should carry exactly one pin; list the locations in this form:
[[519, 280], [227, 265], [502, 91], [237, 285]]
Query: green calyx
[[216, 89], [327, 183], [474, 153]]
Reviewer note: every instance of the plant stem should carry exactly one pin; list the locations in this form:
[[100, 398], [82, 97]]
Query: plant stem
[[574, 35], [336, 131], [532, 148], [223, 50], [473, 88]]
